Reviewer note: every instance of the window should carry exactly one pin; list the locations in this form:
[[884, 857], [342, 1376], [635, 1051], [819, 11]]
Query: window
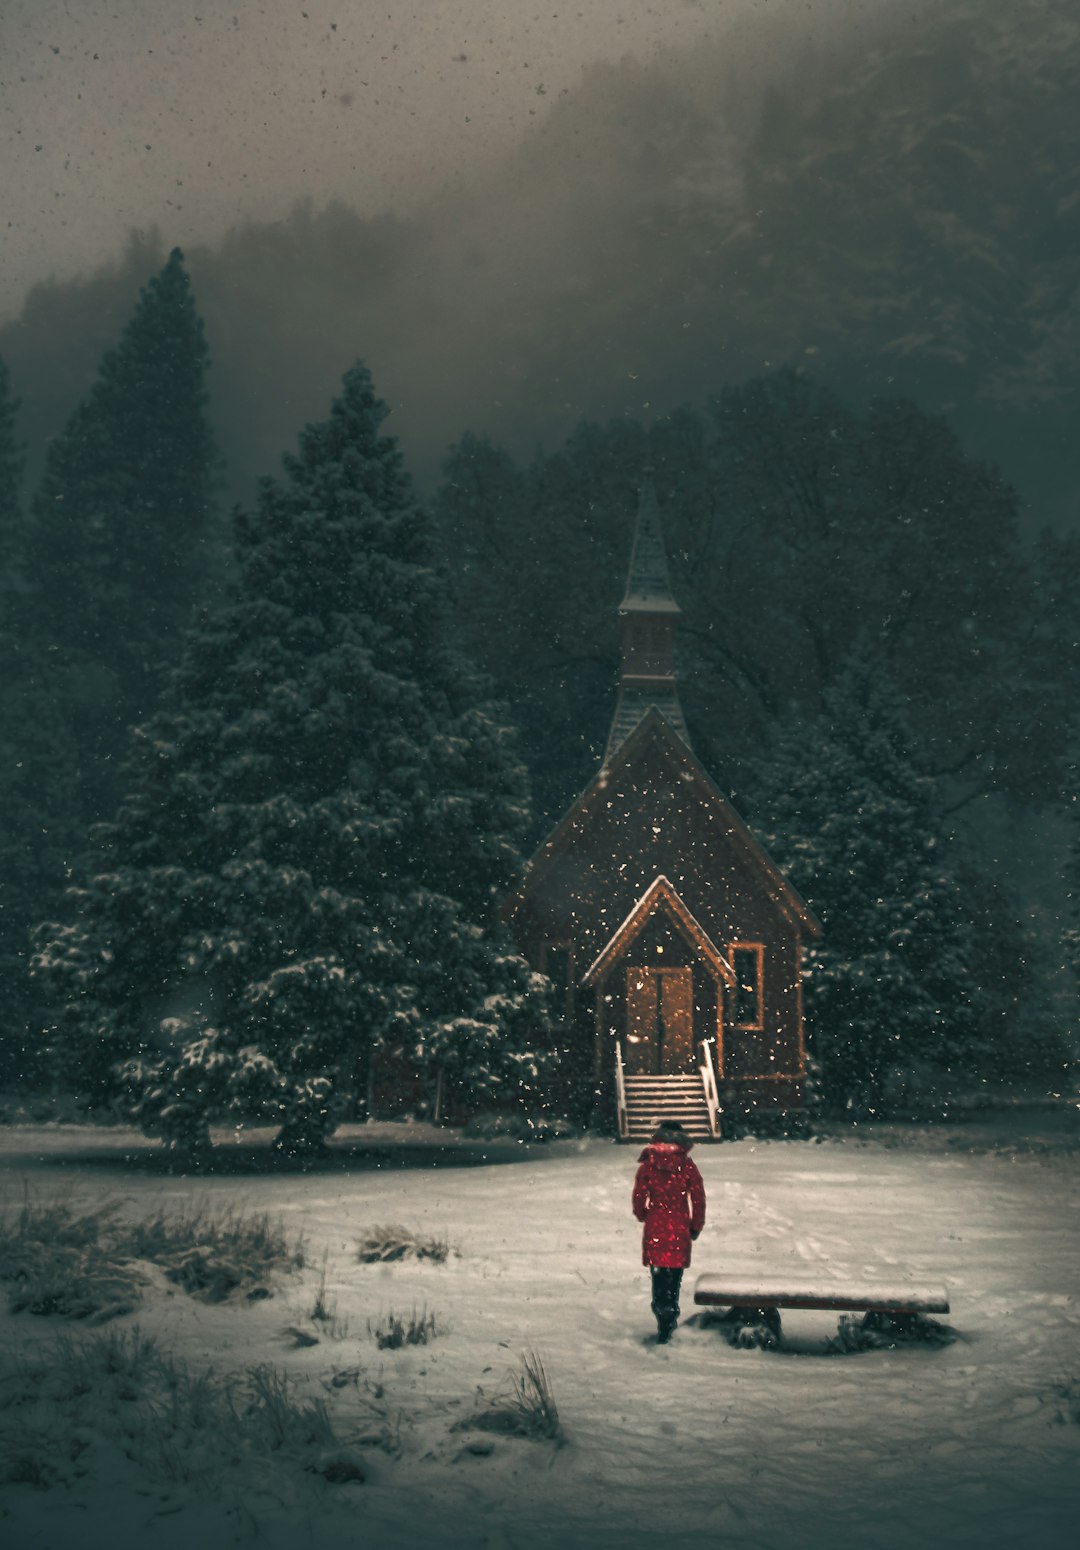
[[746, 998]]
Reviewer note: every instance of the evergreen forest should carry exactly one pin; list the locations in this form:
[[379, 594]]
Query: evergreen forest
[[269, 767]]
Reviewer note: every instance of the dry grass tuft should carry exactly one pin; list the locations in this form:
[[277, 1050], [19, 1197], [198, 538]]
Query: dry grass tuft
[[394, 1331], [67, 1404], [83, 1263], [212, 1253], [324, 1310], [528, 1410], [273, 1419], [58, 1259], [380, 1245]]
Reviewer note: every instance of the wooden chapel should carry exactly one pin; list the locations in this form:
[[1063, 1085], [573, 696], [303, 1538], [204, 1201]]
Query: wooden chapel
[[673, 941]]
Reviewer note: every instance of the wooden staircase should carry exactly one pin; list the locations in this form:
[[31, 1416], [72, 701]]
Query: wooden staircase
[[690, 1100]]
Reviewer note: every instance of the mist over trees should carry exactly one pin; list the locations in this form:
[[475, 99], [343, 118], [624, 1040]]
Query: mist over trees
[[892, 205], [124, 510], [851, 307], [869, 653], [796, 527]]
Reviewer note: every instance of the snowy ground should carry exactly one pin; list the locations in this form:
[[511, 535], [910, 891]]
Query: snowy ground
[[693, 1443]]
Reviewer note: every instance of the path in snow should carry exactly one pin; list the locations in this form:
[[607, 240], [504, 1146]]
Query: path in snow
[[695, 1443]]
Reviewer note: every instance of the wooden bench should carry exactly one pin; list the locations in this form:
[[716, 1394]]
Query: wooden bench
[[892, 1312]]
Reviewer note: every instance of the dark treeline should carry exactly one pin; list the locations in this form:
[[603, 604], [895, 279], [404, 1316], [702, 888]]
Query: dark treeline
[[313, 835], [816, 552], [292, 869], [103, 566], [798, 529], [257, 810], [830, 527]]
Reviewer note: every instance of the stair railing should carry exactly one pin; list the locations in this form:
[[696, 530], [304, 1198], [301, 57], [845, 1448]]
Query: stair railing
[[712, 1096], [620, 1093]]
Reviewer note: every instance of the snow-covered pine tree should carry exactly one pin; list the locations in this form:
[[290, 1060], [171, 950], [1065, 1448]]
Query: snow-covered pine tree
[[846, 815], [316, 832], [122, 516], [32, 774], [40, 837]]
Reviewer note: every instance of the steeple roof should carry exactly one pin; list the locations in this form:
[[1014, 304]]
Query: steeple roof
[[634, 702], [648, 614], [648, 586]]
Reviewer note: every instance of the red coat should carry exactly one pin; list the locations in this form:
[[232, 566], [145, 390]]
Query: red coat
[[669, 1197]]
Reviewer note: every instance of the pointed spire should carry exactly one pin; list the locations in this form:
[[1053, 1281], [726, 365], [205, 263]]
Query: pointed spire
[[648, 615], [648, 586]]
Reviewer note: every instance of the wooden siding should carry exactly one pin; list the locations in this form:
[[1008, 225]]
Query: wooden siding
[[651, 817]]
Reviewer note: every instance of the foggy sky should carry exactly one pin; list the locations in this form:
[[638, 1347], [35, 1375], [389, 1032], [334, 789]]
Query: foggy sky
[[579, 240], [188, 115]]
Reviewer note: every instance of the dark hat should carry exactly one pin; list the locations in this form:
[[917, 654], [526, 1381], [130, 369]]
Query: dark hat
[[671, 1131]]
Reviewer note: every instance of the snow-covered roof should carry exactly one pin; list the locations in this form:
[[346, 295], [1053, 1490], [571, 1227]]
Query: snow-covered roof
[[655, 730], [660, 894]]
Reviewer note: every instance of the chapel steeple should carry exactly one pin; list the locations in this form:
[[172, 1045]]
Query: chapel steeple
[[648, 615]]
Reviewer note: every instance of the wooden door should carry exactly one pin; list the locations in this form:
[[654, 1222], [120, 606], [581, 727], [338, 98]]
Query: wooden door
[[659, 1021], [642, 1043], [677, 1021]]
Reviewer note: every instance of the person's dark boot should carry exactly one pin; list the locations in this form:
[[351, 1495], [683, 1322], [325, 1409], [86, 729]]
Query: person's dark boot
[[665, 1302], [667, 1321]]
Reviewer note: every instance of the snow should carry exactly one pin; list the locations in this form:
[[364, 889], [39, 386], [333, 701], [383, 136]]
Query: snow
[[693, 1443], [728, 1291]]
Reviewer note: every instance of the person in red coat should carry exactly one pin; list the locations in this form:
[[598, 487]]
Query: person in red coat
[[669, 1197]]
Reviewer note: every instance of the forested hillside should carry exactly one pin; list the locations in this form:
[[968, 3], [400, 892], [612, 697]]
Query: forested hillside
[[829, 308], [898, 209]]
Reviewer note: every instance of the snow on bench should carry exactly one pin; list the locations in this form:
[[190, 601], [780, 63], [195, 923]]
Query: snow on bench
[[715, 1291], [892, 1313]]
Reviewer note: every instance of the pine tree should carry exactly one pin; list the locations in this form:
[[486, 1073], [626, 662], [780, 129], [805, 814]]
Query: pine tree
[[30, 869], [1070, 934], [40, 838], [38, 809], [554, 536], [317, 829], [853, 825], [123, 513], [12, 462]]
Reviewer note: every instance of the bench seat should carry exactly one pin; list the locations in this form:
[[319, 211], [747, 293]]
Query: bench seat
[[717, 1291]]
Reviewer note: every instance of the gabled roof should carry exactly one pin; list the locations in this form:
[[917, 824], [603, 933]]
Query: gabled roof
[[660, 895], [654, 727]]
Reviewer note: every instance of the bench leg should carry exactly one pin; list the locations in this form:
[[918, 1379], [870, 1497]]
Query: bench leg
[[882, 1331], [752, 1327], [907, 1329]]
